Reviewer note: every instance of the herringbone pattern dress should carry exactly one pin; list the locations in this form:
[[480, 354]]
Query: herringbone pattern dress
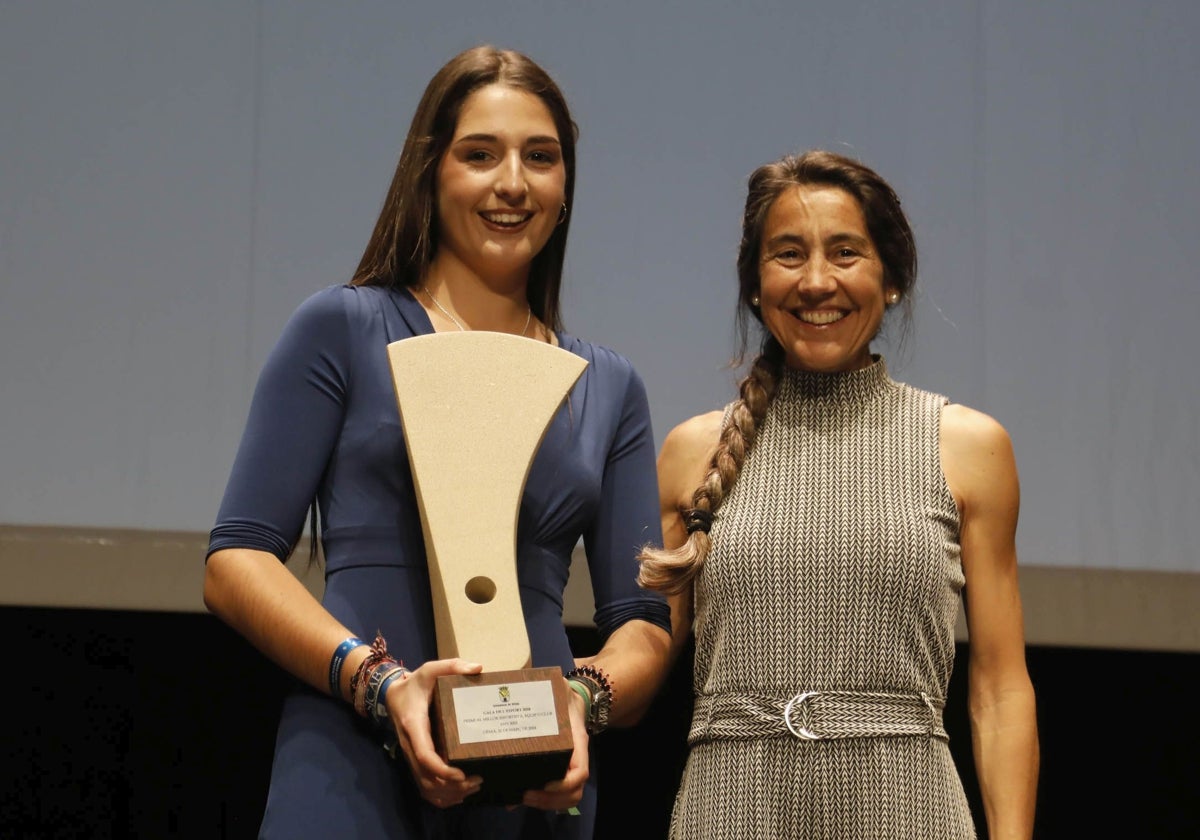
[[835, 568]]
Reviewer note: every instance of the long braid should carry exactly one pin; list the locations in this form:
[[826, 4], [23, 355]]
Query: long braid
[[672, 570]]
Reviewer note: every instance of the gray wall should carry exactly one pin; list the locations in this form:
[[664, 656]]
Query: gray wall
[[176, 177]]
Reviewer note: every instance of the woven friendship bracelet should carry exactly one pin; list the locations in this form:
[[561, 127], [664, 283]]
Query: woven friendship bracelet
[[358, 685]]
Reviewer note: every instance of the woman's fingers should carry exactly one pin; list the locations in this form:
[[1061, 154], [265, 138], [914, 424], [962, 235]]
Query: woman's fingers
[[408, 705], [567, 791]]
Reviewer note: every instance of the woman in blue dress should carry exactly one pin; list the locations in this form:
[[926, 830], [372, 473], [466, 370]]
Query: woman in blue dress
[[472, 236]]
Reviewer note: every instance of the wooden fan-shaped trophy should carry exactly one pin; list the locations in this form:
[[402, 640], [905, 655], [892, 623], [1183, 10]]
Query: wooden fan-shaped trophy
[[474, 407]]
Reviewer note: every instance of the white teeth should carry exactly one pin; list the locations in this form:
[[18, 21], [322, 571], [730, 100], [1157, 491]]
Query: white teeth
[[506, 218], [825, 317]]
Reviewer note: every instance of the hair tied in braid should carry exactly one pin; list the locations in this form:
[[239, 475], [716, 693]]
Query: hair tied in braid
[[695, 519]]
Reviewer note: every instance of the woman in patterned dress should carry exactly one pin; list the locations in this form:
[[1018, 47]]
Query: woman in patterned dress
[[818, 534]]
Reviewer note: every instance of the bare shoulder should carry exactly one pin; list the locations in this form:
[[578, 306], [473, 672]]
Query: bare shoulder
[[965, 429], [686, 452], [696, 435], [977, 457]]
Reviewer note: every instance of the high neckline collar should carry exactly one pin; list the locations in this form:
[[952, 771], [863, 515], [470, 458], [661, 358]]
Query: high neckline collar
[[843, 387]]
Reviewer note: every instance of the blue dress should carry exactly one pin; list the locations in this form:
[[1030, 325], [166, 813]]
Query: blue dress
[[324, 423]]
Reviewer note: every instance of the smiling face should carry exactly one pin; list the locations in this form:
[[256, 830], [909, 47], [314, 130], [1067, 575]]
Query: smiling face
[[821, 281], [500, 185]]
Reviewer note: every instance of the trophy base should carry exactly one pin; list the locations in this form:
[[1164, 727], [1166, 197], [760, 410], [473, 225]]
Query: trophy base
[[511, 728], [505, 780]]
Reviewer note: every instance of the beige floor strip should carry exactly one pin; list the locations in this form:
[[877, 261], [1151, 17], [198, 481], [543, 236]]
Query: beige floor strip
[[121, 569]]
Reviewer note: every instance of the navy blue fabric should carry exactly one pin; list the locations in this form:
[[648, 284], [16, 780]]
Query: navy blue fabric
[[324, 423]]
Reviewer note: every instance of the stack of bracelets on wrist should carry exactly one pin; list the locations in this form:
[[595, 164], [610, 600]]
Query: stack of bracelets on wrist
[[596, 689], [371, 681]]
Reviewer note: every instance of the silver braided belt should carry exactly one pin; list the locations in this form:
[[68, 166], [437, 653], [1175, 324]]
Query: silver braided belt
[[816, 715]]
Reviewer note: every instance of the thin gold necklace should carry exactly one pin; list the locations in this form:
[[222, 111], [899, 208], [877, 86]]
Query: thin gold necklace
[[457, 323]]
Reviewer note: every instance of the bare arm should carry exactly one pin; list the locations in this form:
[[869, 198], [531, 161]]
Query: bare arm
[[256, 595], [978, 462], [682, 465], [636, 659]]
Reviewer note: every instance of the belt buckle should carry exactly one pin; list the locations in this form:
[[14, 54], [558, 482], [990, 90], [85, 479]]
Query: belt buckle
[[800, 701]]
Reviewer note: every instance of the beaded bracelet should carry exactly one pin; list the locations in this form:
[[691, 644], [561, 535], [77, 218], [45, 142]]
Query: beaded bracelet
[[603, 694], [338, 660]]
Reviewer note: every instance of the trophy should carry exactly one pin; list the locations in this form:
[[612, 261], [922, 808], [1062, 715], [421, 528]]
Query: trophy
[[474, 407]]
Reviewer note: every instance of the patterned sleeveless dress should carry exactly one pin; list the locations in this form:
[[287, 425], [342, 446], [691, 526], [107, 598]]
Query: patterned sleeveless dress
[[825, 626]]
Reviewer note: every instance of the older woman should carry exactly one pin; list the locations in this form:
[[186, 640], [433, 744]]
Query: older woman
[[822, 528]]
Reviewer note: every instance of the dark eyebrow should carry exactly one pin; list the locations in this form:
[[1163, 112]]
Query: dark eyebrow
[[784, 239], [852, 238], [536, 140], [836, 239]]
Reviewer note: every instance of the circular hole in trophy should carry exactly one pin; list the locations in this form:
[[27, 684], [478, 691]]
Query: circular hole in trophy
[[481, 590]]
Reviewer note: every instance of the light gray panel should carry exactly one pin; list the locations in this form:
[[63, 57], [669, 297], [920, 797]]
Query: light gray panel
[[124, 217], [177, 177], [1090, 200]]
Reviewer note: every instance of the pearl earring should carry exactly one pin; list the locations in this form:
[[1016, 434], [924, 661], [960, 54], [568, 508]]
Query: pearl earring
[[893, 298], [754, 301]]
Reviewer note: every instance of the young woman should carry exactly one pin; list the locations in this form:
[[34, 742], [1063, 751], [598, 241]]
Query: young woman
[[819, 530], [471, 237]]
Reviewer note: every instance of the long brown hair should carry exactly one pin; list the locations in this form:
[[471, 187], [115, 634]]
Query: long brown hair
[[672, 570], [405, 238]]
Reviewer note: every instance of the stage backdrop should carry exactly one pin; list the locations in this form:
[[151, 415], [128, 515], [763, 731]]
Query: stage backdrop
[[176, 178]]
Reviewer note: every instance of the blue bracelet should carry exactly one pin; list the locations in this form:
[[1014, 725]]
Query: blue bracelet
[[378, 713], [335, 664]]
